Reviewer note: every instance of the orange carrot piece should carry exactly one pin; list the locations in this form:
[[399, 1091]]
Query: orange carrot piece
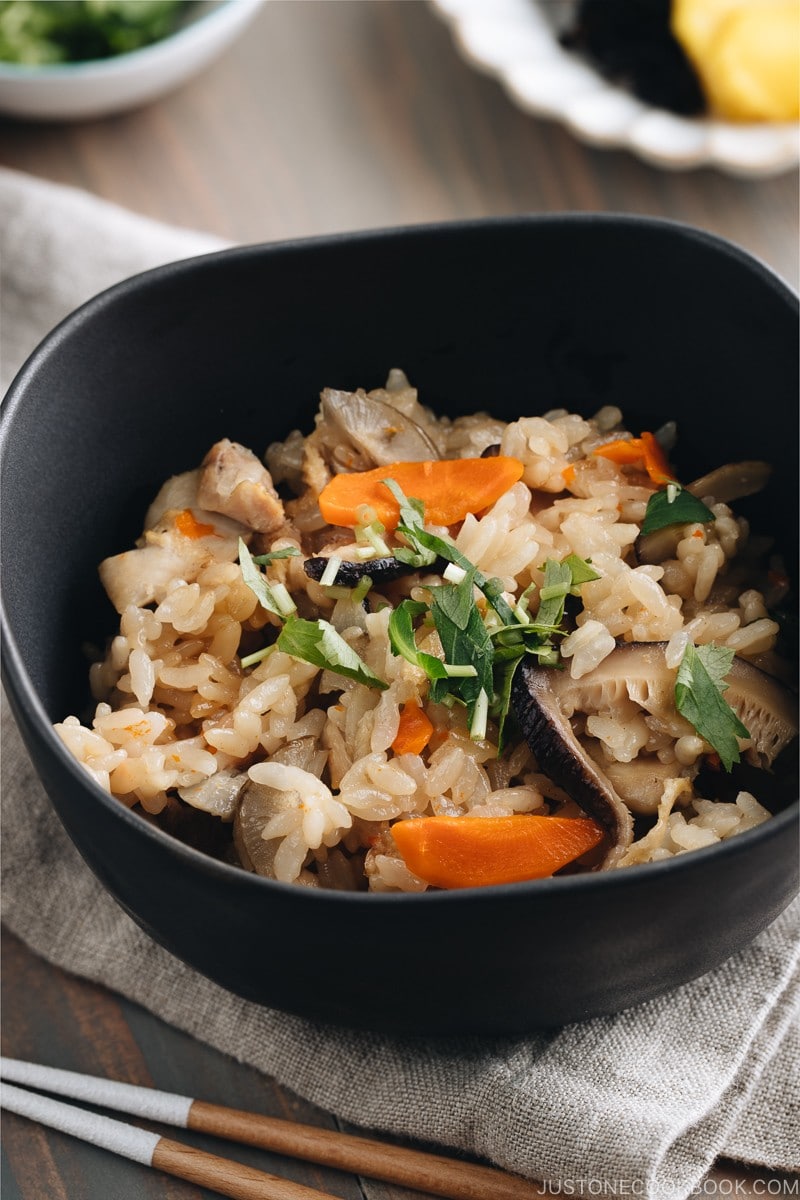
[[626, 450], [449, 489], [645, 450], [655, 460], [414, 731], [569, 475], [187, 524], [457, 852]]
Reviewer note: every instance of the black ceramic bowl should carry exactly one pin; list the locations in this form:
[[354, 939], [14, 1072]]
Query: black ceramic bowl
[[517, 316]]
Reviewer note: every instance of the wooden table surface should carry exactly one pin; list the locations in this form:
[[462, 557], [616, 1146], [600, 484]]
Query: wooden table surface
[[323, 117]]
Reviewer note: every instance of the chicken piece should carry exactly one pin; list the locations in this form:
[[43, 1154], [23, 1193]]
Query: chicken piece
[[235, 482], [176, 544], [141, 576]]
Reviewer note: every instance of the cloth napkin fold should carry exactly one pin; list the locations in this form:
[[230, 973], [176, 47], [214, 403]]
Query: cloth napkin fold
[[640, 1103]]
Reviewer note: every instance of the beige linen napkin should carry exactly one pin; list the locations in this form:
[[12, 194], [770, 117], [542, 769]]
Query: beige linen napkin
[[637, 1104]]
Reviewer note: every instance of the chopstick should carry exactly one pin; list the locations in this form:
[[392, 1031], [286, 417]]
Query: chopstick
[[432, 1173], [174, 1158]]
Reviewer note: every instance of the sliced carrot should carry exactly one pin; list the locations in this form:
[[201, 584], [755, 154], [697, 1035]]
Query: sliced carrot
[[645, 450], [449, 489], [187, 524], [626, 450], [655, 460], [569, 474], [414, 731], [457, 852]]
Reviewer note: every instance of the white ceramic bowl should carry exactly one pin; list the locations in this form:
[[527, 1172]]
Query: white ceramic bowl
[[69, 91], [516, 41]]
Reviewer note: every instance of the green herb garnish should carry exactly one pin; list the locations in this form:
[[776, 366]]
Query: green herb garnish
[[426, 547], [491, 647], [673, 505], [465, 641], [273, 597], [265, 560], [318, 643], [403, 643], [412, 514], [699, 689]]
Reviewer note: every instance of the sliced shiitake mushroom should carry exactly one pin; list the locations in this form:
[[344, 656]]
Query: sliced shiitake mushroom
[[543, 705], [733, 481], [766, 708], [380, 432], [348, 574], [260, 802], [545, 699]]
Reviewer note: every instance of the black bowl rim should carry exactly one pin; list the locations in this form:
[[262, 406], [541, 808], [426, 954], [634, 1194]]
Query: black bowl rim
[[21, 690]]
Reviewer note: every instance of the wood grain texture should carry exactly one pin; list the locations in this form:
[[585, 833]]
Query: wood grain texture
[[332, 116], [323, 117], [226, 1176], [439, 1175]]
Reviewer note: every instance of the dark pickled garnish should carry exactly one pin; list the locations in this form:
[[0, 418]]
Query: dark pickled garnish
[[631, 42]]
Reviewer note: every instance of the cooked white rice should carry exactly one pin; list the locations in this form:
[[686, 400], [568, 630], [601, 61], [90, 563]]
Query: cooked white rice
[[180, 724]]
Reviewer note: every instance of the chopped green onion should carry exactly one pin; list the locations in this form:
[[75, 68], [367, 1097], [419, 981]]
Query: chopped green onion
[[284, 601], [477, 729], [454, 574], [328, 577], [371, 535], [250, 660], [259, 586], [361, 588], [554, 592], [455, 671]]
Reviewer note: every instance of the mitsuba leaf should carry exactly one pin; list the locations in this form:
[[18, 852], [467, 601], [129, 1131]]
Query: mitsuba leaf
[[403, 643], [699, 688], [318, 643], [464, 637], [580, 569], [554, 591], [504, 669], [264, 560], [426, 547], [673, 505]]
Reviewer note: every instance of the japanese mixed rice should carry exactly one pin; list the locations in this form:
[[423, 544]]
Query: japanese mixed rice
[[271, 695]]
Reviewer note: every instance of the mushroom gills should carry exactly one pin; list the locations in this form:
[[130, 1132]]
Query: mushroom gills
[[545, 699]]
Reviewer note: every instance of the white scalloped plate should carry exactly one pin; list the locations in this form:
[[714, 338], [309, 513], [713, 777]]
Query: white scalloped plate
[[515, 40]]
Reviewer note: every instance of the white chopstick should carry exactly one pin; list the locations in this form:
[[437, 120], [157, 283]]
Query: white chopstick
[[174, 1158], [432, 1173]]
